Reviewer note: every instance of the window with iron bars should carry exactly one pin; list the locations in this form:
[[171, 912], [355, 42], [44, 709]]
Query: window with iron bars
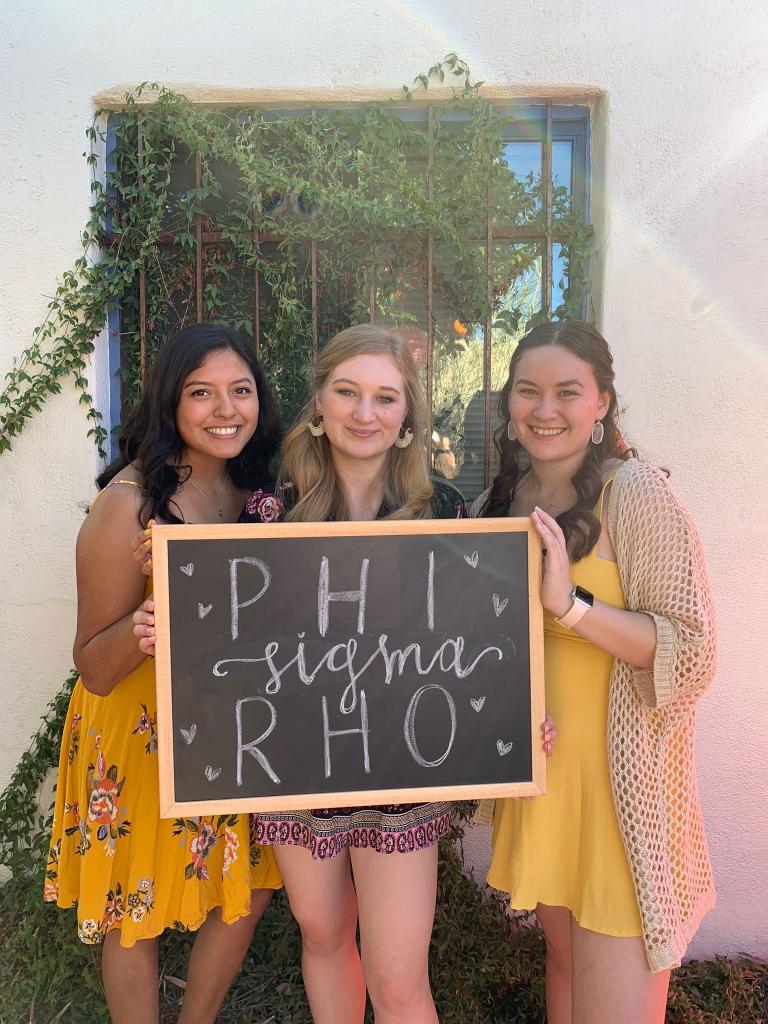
[[524, 262]]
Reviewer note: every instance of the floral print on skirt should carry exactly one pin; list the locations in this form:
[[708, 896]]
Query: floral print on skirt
[[112, 856]]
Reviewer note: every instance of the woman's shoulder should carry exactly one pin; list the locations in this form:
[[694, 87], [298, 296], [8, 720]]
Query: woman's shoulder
[[636, 475], [642, 498], [447, 501], [124, 491], [113, 516]]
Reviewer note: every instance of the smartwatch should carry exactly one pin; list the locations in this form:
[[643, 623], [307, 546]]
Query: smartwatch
[[582, 602]]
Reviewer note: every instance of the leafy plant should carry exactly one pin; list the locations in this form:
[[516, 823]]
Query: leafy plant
[[198, 207]]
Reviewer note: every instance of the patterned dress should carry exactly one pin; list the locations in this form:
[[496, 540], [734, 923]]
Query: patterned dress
[[112, 855], [386, 828]]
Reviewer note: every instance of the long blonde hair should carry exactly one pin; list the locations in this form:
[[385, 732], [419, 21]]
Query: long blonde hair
[[307, 461]]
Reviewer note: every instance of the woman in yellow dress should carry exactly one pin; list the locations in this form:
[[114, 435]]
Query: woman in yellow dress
[[613, 859], [199, 441]]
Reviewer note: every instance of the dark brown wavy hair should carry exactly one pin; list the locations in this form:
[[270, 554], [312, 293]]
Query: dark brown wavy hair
[[579, 523], [150, 439]]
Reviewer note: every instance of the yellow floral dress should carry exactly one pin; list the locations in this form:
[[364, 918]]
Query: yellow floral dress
[[111, 854]]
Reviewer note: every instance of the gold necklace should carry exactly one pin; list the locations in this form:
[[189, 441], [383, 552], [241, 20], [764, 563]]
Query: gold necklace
[[551, 505], [219, 504]]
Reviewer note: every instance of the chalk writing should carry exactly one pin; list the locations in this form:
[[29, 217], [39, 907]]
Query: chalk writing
[[410, 726], [252, 748], [325, 595], [235, 603], [189, 734], [328, 733]]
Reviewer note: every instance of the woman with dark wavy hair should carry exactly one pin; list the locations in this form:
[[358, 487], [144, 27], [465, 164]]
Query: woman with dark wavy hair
[[151, 439], [198, 443], [613, 859]]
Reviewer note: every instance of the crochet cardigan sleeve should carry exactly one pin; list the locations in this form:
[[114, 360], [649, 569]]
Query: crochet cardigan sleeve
[[663, 573]]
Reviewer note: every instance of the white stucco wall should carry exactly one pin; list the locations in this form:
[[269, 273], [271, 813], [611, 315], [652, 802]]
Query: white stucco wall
[[679, 157]]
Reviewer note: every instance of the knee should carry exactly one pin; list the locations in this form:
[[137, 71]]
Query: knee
[[324, 934], [397, 987]]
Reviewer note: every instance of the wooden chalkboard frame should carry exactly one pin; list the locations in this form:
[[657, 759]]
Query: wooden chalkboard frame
[[170, 807]]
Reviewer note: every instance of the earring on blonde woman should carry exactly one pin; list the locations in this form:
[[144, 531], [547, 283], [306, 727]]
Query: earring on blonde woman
[[316, 427], [405, 438], [598, 432]]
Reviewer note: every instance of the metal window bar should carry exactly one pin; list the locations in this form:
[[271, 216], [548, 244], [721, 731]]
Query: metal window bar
[[256, 301], [546, 270], [517, 233], [487, 335], [199, 241], [142, 269], [372, 290], [430, 272], [313, 273]]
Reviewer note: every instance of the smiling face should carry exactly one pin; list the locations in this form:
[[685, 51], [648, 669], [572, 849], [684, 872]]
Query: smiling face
[[554, 403], [363, 406], [218, 410]]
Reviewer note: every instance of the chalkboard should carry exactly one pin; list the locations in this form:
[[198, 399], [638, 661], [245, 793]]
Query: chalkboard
[[342, 664]]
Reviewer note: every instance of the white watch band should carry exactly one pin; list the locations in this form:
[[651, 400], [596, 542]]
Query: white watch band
[[577, 611]]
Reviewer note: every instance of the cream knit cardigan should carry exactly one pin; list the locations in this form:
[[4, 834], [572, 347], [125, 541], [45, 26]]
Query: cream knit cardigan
[[651, 713]]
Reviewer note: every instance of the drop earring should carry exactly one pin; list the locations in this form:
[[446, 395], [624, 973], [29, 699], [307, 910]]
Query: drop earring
[[511, 435], [405, 437], [316, 427], [598, 432]]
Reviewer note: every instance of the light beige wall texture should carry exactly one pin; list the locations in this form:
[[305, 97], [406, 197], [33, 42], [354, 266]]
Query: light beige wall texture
[[680, 148]]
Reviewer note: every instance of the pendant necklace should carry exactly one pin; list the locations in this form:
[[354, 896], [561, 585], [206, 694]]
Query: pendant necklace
[[219, 504]]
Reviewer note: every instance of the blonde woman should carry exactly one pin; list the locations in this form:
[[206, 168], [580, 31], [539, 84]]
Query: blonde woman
[[357, 452]]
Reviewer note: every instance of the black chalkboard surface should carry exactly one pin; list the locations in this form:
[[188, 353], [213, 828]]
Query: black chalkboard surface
[[339, 664]]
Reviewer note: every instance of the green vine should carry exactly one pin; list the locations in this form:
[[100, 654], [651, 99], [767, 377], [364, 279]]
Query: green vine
[[349, 188]]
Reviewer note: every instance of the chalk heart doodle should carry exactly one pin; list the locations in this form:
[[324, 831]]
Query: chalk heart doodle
[[203, 609], [212, 773], [187, 569], [499, 605], [477, 703], [189, 734], [504, 748], [471, 559]]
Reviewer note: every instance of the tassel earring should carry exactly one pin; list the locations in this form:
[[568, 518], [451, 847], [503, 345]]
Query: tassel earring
[[316, 427]]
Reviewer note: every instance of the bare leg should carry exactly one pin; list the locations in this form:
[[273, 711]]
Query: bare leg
[[130, 980], [556, 924], [217, 956], [612, 983], [323, 902], [396, 897]]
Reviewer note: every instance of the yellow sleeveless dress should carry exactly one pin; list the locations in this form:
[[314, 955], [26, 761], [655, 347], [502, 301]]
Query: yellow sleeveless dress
[[112, 856], [565, 849]]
